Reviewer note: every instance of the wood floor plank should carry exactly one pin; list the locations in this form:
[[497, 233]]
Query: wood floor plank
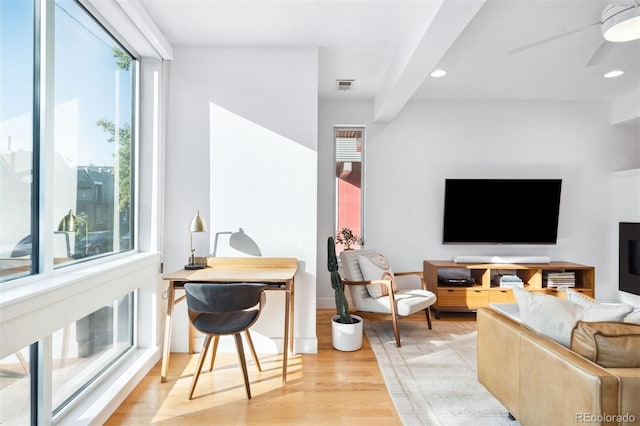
[[327, 388]]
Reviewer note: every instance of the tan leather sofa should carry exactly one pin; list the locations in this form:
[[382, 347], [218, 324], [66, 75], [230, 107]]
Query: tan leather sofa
[[541, 382]]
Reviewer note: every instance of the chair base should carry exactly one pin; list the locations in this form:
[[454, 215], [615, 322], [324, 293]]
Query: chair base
[[241, 359]]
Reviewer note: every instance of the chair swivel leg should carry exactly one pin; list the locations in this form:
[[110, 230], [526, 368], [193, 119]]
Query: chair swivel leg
[[243, 363], [214, 351], [253, 349], [216, 339], [203, 354]]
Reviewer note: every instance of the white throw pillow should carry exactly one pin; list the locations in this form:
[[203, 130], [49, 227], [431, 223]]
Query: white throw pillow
[[599, 311], [548, 315], [633, 317], [376, 267]]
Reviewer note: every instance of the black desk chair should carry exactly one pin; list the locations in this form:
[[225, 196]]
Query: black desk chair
[[223, 309]]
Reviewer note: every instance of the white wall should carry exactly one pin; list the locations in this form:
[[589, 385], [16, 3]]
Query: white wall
[[242, 148], [626, 208], [407, 160]]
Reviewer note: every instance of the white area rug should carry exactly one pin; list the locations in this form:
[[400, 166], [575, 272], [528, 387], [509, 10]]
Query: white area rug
[[432, 377]]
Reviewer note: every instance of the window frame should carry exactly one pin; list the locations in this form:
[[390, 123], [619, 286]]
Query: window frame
[[46, 289], [43, 122], [360, 128]]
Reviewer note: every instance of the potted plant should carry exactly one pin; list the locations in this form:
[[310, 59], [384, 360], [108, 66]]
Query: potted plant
[[347, 238], [346, 329]]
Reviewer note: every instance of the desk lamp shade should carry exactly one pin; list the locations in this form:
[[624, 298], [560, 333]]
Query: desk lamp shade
[[197, 224], [68, 222]]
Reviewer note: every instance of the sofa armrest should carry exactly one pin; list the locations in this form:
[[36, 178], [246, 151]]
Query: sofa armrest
[[498, 357], [557, 385], [540, 381]]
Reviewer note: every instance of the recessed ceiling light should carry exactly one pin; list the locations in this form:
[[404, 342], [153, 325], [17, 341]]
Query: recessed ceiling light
[[438, 73], [614, 73]]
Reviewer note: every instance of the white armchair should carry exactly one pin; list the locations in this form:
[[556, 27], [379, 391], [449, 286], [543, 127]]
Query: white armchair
[[390, 300]]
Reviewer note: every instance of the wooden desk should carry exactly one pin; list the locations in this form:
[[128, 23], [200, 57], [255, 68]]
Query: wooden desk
[[235, 269]]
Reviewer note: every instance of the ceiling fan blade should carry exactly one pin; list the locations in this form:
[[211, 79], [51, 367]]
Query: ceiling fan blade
[[549, 39], [601, 52]]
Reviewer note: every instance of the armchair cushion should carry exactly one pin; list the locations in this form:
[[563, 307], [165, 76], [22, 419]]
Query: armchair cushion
[[376, 267], [407, 302], [352, 272]]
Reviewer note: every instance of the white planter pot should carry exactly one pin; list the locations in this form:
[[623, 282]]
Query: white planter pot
[[346, 337]]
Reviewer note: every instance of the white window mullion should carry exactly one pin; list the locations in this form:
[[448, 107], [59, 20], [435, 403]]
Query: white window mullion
[[47, 108], [45, 381]]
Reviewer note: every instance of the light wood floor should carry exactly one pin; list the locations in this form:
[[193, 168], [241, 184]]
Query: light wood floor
[[327, 388]]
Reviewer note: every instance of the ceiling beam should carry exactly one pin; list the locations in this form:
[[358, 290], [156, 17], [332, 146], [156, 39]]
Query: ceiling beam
[[421, 55], [134, 25], [139, 16]]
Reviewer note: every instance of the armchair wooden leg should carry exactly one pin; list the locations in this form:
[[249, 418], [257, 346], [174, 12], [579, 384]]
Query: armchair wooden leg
[[428, 314], [253, 349], [216, 340], [196, 375], [243, 363], [396, 330]]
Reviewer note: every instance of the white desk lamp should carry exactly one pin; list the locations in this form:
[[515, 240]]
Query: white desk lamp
[[197, 225]]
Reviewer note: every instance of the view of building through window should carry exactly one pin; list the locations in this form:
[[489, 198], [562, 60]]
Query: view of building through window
[[349, 179], [89, 171], [92, 136]]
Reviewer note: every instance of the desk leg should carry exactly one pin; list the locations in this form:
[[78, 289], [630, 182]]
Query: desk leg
[[292, 316], [192, 338], [171, 293], [285, 343]]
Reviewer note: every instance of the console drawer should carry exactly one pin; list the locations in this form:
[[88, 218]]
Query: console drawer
[[502, 295], [462, 298]]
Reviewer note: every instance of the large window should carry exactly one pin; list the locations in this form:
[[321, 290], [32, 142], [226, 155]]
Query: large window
[[85, 348], [67, 92], [81, 351], [70, 158]]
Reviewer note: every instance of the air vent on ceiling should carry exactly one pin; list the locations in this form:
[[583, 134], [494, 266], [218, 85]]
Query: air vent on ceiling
[[344, 84]]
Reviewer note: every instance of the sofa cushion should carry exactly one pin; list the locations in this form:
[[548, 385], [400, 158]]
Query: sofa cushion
[[595, 310], [510, 310], [633, 317], [608, 344], [548, 315], [376, 267]]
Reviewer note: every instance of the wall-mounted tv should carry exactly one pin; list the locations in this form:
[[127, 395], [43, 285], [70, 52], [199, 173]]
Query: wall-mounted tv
[[501, 211]]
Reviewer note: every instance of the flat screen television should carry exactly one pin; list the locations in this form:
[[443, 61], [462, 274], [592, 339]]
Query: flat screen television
[[501, 211]]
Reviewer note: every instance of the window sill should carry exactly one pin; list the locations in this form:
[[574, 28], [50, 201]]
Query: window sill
[[97, 404], [34, 286], [40, 305]]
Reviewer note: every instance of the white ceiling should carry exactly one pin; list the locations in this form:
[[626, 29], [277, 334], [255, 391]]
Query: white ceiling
[[395, 44]]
